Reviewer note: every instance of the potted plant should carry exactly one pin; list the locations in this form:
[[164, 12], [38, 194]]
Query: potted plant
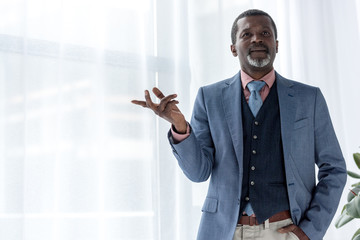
[[351, 210]]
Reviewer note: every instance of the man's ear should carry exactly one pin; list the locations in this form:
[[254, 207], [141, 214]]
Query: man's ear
[[233, 50], [277, 46]]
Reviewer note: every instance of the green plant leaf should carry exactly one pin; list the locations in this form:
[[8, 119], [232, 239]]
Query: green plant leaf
[[356, 235], [356, 184], [352, 174], [343, 219], [351, 195], [357, 159], [344, 209], [353, 207]]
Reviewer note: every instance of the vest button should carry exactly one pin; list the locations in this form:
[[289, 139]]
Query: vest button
[[256, 123], [247, 199], [252, 183], [253, 152], [253, 168], [254, 137]]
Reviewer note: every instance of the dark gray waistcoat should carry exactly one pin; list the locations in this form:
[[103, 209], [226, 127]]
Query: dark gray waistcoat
[[264, 182]]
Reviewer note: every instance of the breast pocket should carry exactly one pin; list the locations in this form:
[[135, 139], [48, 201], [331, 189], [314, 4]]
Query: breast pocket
[[301, 123], [302, 140]]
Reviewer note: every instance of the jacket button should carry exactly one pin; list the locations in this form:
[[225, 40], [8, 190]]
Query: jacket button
[[255, 137], [253, 152], [252, 183], [256, 123], [247, 199], [253, 168]]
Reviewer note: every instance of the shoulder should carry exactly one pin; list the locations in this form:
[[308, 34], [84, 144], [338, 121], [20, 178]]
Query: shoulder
[[214, 93], [234, 80], [295, 85]]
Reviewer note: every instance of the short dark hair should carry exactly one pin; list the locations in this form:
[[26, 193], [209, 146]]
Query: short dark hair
[[250, 12]]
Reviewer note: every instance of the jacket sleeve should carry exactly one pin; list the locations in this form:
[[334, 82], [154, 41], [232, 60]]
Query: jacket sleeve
[[331, 175], [195, 154]]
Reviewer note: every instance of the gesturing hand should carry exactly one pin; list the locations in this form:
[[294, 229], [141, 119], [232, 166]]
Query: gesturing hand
[[166, 109]]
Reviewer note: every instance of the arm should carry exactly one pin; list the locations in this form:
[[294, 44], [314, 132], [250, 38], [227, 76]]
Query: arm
[[195, 159], [195, 154], [331, 175]]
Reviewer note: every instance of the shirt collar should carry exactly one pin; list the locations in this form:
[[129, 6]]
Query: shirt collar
[[269, 78]]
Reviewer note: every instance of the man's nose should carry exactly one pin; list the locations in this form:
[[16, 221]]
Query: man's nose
[[257, 38]]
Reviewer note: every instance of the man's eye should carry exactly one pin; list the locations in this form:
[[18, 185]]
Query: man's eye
[[245, 34], [266, 33]]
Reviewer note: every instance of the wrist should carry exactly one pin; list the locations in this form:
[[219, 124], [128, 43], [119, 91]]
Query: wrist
[[180, 128]]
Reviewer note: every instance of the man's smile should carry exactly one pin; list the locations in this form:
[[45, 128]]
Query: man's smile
[[261, 49]]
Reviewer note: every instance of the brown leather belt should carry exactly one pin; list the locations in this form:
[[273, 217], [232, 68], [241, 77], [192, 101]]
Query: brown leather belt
[[247, 220]]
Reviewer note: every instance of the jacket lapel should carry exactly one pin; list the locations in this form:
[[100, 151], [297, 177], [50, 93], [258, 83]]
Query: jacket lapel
[[287, 104], [231, 94]]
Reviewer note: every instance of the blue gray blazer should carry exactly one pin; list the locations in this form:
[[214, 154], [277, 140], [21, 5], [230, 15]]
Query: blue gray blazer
[[215, 148]]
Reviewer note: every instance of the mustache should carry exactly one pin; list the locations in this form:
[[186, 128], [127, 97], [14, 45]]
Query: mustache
[[258, 45]]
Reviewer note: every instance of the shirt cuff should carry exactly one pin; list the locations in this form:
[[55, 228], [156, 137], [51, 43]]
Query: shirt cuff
[[178, 137]]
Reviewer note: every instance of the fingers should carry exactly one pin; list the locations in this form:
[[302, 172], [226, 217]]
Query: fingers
[[149, 102], [158, 93], [140, 103], [166, 104], [164, 101], [286, 229], [170, 106]]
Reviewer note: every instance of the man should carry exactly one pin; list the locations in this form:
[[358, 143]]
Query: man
[[258, 135]]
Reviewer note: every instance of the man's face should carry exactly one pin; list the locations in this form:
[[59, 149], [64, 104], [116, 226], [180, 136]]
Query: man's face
[[255, 45]]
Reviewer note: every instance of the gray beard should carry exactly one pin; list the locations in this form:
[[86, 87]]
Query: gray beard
[[259, 62]]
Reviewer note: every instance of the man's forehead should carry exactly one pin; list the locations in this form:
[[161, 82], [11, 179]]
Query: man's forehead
[[254, 21]]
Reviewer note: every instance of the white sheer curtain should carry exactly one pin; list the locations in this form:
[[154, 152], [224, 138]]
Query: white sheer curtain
[[78, 161]]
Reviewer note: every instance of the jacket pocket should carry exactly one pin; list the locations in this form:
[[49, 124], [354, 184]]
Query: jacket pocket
[[301, 123], [210, 205]]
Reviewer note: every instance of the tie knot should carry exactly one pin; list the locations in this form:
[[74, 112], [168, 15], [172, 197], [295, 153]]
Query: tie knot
[[255, 85]]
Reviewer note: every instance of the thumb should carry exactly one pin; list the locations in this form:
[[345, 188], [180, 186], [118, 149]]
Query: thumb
[[287, 229]]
